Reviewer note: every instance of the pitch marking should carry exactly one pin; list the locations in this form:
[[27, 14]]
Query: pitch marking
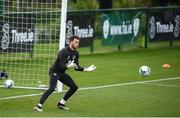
[[166, 85], [96, 87]]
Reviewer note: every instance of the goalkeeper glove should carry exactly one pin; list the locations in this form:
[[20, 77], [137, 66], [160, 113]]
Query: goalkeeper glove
[[72, 65], [90, 68]]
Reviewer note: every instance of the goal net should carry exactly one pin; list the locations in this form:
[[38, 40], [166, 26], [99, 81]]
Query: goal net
[[29, 36]]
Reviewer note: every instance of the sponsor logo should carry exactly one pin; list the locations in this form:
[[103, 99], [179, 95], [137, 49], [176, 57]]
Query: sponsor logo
[[127, 28], [54, 74], [22, 37], [5, 38], [17, 37], [85, 32], [69, 32], [177, 26], [152, 29], [164, 28]]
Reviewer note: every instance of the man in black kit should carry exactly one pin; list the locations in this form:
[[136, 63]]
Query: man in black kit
[[67, 58]]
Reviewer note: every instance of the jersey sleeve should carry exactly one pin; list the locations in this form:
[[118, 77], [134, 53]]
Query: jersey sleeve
[[62, 59], [77, 63]]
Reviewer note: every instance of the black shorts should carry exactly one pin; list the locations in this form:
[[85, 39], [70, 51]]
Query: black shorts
[[62, 77]]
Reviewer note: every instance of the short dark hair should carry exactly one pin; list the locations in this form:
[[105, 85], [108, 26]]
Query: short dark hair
[[73, 37]]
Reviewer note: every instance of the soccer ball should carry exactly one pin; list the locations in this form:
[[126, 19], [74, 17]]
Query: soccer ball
[[144, 71], [9, 83]]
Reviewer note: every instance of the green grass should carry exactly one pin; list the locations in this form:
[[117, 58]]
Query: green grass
[[115, 67]]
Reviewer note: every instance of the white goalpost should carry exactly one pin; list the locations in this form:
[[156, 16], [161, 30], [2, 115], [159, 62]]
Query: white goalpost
[[30, 38], [62, 34]]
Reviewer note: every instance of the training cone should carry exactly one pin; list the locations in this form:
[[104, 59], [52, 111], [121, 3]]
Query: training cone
[[166, 66]]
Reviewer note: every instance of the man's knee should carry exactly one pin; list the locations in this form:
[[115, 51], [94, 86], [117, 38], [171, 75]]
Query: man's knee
[[74, 88], [51, 90]]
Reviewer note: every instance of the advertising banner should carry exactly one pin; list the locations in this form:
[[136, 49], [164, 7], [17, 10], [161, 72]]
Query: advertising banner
[[120, 27], [16, 33], [163, 24], [80, 24]]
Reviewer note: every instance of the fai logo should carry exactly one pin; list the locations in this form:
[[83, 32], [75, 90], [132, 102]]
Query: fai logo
[[152, 27], [5, 38], [106, 26], [177, 25], [136, 25]]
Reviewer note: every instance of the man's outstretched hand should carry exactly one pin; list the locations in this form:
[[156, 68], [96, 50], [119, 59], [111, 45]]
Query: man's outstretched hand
[[90, 68]]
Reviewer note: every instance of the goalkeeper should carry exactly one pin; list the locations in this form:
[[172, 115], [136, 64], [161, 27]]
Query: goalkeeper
[[68, 58]]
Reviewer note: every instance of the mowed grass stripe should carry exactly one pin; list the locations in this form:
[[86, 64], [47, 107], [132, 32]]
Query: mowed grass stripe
[[100, 87]]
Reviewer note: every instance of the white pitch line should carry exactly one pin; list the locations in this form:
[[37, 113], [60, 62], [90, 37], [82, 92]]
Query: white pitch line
[[96, 87], [130, 83], [21, 96], [166, 85]]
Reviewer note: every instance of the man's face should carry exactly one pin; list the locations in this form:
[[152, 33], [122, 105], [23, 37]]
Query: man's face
[[75, 43]]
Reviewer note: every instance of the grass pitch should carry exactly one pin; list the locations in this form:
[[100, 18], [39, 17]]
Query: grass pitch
[[153, 98]]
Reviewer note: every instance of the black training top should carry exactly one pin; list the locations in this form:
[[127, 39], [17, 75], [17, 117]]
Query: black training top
[[66, 55]]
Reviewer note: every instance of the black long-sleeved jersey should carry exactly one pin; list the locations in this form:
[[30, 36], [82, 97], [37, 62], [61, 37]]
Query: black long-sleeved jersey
[[65, 56]]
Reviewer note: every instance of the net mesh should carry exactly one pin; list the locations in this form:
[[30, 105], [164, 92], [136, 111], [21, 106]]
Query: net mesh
[[29, 39]]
